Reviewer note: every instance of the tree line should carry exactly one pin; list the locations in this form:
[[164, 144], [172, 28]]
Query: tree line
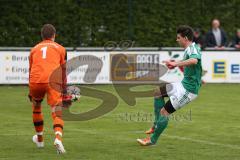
[[92, 23]]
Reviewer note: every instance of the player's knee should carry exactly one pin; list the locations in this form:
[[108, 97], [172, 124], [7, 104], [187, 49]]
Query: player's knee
[[36, 103], [168, 109], [56, 112]]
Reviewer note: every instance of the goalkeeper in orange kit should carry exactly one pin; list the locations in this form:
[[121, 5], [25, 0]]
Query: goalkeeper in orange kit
[[46, 57]]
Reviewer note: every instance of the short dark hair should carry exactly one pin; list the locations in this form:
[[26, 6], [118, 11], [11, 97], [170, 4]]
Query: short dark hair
[[47, 31], [185, 31]]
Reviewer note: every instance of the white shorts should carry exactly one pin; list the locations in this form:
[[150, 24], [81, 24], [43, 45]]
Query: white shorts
[[178, 95]]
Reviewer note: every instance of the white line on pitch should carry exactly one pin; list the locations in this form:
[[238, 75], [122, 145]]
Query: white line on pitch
[[198, 141], [203, 141]]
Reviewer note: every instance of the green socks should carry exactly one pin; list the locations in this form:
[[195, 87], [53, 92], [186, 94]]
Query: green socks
[[158, 104], [160, 122]]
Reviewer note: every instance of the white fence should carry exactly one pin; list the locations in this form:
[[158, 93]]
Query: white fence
[[218, 66]]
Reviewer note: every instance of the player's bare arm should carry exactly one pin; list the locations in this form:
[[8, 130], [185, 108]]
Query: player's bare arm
[[188, 62]]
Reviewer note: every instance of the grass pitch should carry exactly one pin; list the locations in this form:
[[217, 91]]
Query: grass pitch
[[208, 128]]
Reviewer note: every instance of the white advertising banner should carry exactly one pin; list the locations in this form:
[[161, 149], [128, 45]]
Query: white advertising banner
[[221, 67], [218, 66], [135, 66], [76, 76], [14, 67]]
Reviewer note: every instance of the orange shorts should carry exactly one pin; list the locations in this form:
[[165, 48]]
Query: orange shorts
[[37, 92]]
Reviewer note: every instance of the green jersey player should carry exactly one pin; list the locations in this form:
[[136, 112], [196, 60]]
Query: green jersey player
[[180, 93]]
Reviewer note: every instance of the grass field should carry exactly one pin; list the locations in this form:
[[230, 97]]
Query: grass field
[[206, 129]]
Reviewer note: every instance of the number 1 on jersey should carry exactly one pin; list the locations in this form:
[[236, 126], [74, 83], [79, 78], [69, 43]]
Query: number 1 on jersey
[[44, 52]]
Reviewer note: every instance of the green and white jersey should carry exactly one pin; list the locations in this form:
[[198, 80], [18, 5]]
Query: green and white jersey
[[193, 73]]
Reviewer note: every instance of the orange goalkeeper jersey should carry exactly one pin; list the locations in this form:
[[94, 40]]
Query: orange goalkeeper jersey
[[44, 59]]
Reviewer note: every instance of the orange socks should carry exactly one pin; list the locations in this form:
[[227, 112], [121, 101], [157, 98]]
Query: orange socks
[[58, 127], [57, 122], [38, 122]]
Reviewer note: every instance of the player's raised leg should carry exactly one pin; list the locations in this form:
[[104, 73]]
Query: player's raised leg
[[159, 95], [58, 128], [160, 126], [161, 121], [55, 101]]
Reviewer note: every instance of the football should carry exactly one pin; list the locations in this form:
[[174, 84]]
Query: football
[[74, 92]]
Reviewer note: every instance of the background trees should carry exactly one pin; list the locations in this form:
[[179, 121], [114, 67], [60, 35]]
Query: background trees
[[94, 22]]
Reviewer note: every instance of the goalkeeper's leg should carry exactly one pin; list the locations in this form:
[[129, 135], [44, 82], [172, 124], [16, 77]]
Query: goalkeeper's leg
[[55, 101], [58, 124], [36, 96], [37, 117]]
